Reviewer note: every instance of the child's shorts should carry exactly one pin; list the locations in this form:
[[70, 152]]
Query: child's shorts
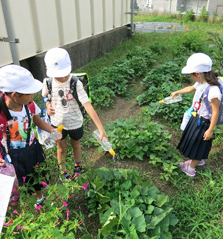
[[75, 134], [25, 160]]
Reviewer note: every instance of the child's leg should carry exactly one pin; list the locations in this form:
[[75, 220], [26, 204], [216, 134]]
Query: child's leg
[[61, 152], [194, 163], [39, 194], [77, 149]]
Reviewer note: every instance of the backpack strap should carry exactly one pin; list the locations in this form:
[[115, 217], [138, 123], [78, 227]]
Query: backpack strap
[[49, 87], [29, 125], [32, 107], [73, 89]]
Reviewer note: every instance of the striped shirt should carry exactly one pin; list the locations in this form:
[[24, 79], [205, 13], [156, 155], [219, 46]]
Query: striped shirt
[[67, 111]]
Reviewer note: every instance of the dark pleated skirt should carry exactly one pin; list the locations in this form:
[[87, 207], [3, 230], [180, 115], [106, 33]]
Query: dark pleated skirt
[[192, 145], [24, 161]]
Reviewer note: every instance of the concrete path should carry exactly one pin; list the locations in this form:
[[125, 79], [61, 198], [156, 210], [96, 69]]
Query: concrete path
[[160, 27]]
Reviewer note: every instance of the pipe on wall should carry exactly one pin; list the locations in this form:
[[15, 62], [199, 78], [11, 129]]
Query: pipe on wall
[[10, 31]]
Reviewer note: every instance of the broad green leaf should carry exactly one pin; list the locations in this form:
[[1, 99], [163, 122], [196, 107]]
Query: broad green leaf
[[160, 200], [139, 223], [134, 212], [126, 185]]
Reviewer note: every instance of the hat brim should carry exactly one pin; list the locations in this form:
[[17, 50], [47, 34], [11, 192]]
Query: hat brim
[[59, 72], [187, 70], [32, 89]]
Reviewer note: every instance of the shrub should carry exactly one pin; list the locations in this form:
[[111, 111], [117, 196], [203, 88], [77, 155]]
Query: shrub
[[189, 16], [203, 15], [214, 16]]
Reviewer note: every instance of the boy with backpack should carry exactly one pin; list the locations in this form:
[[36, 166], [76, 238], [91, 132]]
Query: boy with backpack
[[63, 108]]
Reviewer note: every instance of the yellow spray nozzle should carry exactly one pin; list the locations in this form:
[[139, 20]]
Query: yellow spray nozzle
[[194, 113], [112, 152], [60, 128], [161, 101]]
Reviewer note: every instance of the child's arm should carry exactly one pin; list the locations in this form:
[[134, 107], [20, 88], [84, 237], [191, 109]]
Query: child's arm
[[215, 112], [43, 125], [187, 89], [94, 116], [2, 162]]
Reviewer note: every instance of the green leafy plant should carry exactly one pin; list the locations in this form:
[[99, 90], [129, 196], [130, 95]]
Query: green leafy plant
[[216, 48], [203, 17], [214, 16], [55, 219], [144, 140], [189, 16], [128, 206]]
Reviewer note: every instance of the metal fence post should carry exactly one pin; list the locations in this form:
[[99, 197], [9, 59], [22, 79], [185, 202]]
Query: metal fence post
[[11, 38]]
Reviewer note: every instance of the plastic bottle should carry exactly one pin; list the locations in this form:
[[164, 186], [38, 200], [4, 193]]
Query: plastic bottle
[[55, 134], [169, 100], [186, 118], [106, 145]]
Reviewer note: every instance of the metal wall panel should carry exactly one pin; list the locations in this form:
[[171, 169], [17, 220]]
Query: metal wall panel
[[84, 18], [67, 23], [117, 13], [108, 15], [23, 27], [5, 53], [40, 25], [97, 16], [45, 23]]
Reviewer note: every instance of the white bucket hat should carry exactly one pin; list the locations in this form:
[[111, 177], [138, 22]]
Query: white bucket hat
[[15, 78], [198, 62], [57, 62]]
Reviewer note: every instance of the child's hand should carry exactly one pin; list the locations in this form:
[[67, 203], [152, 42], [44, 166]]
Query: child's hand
[[173, 94], [2, 162], [50, 110], [58, 140], [208, 135], [103, 134]]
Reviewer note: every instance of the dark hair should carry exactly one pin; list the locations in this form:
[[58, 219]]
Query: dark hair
[[212, 78], [4, 108]]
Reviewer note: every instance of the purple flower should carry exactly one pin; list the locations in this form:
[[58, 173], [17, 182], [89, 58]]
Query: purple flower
[[15, 211], [44, 184], [36, 166], [38, 207], [85, 186], [19, 227], [65, 204], [8, 223], [65, 170]]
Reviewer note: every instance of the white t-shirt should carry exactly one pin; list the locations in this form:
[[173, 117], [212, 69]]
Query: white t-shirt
[[18, 128], [214, 92], [67, 111]]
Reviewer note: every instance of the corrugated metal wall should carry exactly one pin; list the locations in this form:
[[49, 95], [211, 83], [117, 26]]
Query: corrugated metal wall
[[42, 24]]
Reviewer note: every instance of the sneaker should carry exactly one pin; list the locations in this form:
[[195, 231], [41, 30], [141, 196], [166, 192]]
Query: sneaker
[[78, 168], [66, 177], [202, 163], [184, 168], [40, 201]]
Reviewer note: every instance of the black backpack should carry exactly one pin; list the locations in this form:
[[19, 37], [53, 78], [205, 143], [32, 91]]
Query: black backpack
[[83, 77]]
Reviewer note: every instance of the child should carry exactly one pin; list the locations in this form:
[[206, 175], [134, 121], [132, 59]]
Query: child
[[63, 108], [196, 140], [17, 136]]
